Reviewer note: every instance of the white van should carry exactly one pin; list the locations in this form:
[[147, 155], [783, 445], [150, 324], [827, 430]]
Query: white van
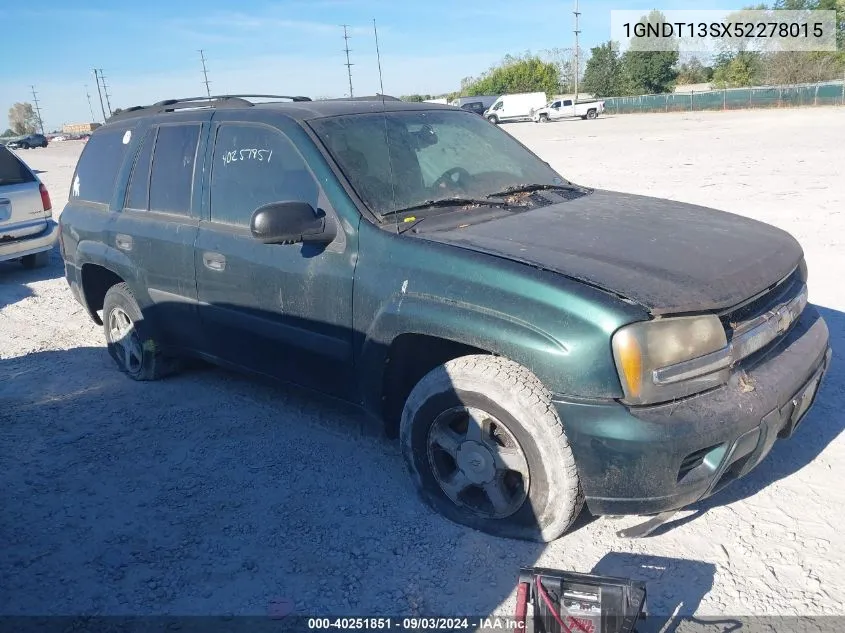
[[515, 107]]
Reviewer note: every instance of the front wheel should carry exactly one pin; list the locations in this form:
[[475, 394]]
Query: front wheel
[[493, 119], [486, 449], [544, 118]]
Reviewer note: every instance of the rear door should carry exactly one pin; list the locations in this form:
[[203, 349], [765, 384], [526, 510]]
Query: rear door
[[158, 225], [22, 211], [283, 310]]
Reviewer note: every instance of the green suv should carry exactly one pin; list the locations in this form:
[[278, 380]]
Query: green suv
[[534, 344]]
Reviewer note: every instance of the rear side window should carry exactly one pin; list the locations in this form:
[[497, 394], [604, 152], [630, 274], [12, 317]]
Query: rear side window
[[97, 169], [253, 166], [139, 184], [12, 170], [172, 176]]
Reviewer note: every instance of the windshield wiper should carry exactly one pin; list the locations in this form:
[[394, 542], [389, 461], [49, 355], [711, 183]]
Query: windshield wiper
[[532, 187], [447, 202]]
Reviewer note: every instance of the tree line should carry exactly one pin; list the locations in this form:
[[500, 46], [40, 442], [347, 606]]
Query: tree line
[[609, 73]]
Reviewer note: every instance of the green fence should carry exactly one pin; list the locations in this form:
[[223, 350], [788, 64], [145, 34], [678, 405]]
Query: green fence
[[832, 93]]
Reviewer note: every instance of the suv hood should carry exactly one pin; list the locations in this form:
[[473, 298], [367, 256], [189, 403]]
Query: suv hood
[[670, 257]]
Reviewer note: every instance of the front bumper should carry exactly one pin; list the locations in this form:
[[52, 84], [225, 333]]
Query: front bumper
[[31, 244], [646, 460]]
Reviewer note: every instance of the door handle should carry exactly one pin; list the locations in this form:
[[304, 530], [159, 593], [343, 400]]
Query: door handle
[[123, 242], [214, 261]]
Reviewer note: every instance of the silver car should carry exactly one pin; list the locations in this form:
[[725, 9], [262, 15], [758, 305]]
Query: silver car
[[27, 229]]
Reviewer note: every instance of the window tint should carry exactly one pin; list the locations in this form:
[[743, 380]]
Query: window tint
[[172, 177], [12, 171], [98, 166], [253, 166], [139, 184]]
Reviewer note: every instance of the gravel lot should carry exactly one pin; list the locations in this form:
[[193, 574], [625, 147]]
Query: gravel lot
[[208, 493]]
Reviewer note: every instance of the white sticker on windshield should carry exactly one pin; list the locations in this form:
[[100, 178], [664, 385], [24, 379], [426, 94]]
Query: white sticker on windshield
[[76, 187], [127, 136]]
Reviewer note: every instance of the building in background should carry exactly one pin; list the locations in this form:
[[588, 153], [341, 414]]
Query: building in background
[[79, 128]]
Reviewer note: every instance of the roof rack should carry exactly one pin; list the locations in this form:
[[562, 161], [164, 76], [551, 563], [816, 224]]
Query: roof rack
[[213, 101], [375, 97]]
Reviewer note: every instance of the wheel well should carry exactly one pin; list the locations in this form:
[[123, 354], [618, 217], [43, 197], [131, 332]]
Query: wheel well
[[409, 358], [96, 281]]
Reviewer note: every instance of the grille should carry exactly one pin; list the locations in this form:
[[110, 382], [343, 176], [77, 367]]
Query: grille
[[782, 292]]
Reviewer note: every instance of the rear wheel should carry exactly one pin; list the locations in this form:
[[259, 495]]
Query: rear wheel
[[486, 449], [24, 145], [130, 340], [36, 260], [591, 114]]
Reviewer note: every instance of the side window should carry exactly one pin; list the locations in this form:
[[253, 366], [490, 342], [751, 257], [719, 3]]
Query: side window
[[139, 183], [12, 170], [97, 169], [498, 105], [172, 172], [568, 102], [253, 166]]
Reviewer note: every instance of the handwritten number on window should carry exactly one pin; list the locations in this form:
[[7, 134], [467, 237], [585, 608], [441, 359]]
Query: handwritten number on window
[[247, 154]]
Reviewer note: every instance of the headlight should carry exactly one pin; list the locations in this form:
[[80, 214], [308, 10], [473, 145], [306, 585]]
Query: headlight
[[670, 358]]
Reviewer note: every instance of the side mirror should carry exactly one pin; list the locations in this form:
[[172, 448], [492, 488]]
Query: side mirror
[[290, 223]]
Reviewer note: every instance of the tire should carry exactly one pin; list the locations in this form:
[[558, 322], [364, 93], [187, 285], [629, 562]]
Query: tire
[[544, 118], [518, 418], [36, 260], [591, 114], [141, 357], [493, 119], [24, 145]]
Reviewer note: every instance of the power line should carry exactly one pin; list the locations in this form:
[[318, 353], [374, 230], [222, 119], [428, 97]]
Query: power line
[[348, 63], [37, 109], [102, 107], [90, 107], [105, 91], [577, 60], [205, 74]]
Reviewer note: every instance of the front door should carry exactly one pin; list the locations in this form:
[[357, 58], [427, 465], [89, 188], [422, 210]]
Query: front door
[[283, 310]]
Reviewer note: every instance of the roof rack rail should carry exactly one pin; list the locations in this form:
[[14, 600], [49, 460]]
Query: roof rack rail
[[375, 97], [214, 101]]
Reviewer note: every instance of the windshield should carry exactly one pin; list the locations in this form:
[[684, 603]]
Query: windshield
[[398, 160]]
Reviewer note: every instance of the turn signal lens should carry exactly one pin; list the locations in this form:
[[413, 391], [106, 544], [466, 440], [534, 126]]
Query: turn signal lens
[[630, 359]]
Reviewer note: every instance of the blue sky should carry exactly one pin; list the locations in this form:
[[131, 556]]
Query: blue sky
[[148, 50]]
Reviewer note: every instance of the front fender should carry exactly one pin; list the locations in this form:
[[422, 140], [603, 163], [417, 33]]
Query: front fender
[[453, 320]]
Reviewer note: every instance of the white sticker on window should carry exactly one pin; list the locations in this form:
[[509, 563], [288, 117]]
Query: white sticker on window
[[127, 136], [76, 187]]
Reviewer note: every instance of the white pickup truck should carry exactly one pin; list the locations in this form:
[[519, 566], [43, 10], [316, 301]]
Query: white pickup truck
[[565, 108]]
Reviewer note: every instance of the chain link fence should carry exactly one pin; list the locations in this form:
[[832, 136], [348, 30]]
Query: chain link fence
[[828, 93]]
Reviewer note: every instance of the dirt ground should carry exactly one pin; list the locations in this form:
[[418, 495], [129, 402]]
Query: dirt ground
[[208, 493]]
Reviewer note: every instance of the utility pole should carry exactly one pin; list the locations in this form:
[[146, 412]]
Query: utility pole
[[205, 74], [577, 57], [102, 107], [37, 110], [348, 63], [90, 107], [105, 91], [378, 58]]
